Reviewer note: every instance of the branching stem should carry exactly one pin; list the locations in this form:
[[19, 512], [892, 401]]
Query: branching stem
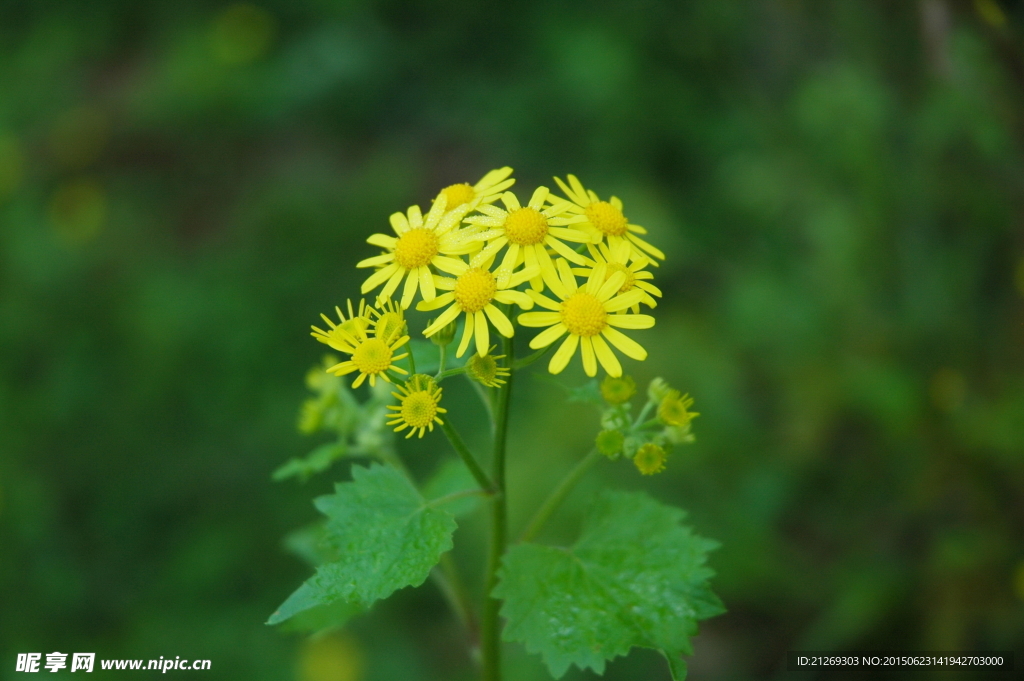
[[558, 495]]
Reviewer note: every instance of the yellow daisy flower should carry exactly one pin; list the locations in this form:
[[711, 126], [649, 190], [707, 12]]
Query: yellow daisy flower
[[389, 321], [605, 219], [421, 241], [585, 314], [474, 290], [675, 409], [372, 356], [528, 231], [484, 369], [419, 399], [617, 260], [487, 190], [650, 459], [354, 324]]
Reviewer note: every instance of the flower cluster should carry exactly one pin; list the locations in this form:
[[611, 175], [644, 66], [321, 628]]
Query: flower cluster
[[576, 257], [644, 440]]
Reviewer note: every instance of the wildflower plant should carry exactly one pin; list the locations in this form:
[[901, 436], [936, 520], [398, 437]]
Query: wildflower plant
[[571, 273]]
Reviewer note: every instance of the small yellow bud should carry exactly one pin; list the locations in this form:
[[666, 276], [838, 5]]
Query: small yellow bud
[[609, 443], [673, 409], [617, 390], [650, 459]]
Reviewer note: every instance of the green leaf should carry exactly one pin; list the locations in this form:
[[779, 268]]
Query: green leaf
[[319, 460], [636, 577], [382, 536], [451, 477], [305, 610]]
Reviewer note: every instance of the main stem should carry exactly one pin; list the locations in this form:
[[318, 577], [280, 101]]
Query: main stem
[[490, 635]]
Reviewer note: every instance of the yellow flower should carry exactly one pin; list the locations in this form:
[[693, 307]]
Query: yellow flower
[[474, 291], [421, 241], [372, 356], [585, 314], [484, 369], [650, 459], [353, 325], [418, 409], [617, 259], [528, 231], [674, 407], [487, 190], [389, 321], [605, 219]]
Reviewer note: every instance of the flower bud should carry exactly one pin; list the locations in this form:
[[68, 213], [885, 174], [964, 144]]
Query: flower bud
[[657, 390], [617, 390], [484, 369], [609, 443], [650, 459], [445, 335]]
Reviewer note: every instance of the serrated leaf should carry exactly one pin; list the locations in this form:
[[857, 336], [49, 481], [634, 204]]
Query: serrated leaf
[[451, 477], [317, 461], [385, 536], [636, 577], [304, 610]]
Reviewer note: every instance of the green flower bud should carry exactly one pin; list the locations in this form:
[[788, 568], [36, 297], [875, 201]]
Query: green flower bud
[[609, 443], [657, 390], [484, 369], [617, 390], [445, 335]]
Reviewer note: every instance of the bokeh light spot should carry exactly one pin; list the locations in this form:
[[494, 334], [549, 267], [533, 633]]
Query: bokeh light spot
[[335, 657], [78, 209], [241, 34]]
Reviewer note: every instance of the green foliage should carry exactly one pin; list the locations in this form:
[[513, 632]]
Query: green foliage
[[636, 577], [383, 535], [451, 477]]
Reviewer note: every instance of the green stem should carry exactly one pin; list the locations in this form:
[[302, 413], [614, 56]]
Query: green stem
[[558, 495], [460, 599], [531, 358], [455, 496], [441, 359], [412, 362], [459, 445], [490, 635], [643, 413], [485, 397], [448, 374]]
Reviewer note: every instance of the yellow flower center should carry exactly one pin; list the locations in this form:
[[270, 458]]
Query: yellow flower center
[[526, 227], [606, 218], [419, 409], [457, 194], [584, 315], [474, 289], [372, 356], [613, 268], [416, 248]]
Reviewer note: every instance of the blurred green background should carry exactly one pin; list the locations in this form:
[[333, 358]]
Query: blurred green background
[[839, 188]]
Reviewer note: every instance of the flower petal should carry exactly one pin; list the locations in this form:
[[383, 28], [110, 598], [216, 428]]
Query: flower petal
[[382, 240], [483, 337], [392, 284], [500, 321], [628, 346], [514, 297], [412, 284], [563, 354], [427, 283], [378, 277], [607, 358], [437, 303], [589, 361], [548, 336], [467, 335], [539, 318], [631, 321], [624, 300]]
